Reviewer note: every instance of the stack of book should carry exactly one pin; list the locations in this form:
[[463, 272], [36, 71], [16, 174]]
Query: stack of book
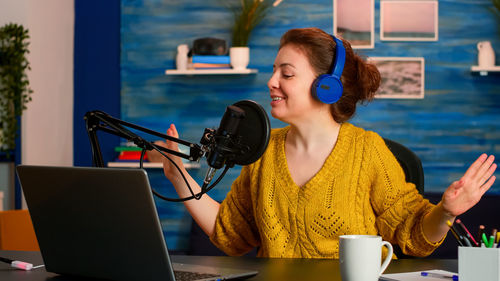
[[129, 154], [211, 62]]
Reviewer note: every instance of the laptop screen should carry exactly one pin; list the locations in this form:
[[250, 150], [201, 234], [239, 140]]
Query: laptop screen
[[96, 222]]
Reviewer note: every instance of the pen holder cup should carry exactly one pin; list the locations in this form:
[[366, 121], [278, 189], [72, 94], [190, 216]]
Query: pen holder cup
[[478, 264]]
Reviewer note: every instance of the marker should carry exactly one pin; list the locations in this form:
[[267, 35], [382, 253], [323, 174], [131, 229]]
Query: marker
[[17, 264], [491, 243], [455, 233], [485, 241], [467, 233], [454, 277]]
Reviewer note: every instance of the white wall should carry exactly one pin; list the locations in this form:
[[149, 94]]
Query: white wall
[[47, 124]]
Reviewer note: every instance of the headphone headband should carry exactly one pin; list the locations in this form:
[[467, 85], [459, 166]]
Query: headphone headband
[[339, 57], [327, 87]]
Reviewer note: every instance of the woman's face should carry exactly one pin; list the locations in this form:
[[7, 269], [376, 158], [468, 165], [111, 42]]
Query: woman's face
[[290, 86]]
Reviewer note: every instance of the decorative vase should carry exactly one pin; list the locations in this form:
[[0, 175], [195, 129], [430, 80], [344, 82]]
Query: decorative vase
[[486, 54], [239, 57], [181, 60]]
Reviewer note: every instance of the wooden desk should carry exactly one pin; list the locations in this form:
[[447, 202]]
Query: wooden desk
[[269, 269]]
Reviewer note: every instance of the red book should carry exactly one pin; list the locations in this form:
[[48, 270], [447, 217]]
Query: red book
[[131, 155]]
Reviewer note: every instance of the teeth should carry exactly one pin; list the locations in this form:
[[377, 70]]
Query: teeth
[[277, 98]]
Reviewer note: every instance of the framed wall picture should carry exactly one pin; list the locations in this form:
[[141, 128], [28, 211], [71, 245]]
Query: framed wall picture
[[402, 77], [353, 20], [409, 20]]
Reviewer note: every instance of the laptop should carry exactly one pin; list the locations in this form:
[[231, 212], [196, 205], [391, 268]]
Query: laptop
[[103, 223]]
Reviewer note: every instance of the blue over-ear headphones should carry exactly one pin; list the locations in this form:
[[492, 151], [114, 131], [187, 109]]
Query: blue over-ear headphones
[[328, 87]]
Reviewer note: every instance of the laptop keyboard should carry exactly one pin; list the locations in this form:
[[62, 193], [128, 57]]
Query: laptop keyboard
[[189, 276]]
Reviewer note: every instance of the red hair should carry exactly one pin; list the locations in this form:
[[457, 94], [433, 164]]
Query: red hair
[[359, 78]]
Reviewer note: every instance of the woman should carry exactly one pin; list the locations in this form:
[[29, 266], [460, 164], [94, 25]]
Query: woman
[[322, 177]]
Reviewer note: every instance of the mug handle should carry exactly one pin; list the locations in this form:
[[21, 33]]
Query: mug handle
[[388, 258]]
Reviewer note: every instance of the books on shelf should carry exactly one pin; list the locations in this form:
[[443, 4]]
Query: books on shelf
[[129, 153], [211, 66], [211, 59], [211, 62]]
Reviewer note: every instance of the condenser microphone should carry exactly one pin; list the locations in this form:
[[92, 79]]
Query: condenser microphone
[[241, 138], [224, 141]]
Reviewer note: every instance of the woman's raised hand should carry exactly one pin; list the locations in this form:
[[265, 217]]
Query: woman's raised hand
[[463, 194], [169, 169]]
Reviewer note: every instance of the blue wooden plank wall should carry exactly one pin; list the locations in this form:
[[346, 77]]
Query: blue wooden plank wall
[[456, 121]]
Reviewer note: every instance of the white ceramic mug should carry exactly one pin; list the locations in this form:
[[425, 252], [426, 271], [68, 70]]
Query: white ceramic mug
[[360, 257]]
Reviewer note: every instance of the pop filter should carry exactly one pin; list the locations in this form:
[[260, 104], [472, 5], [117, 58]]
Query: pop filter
[[254, 131]]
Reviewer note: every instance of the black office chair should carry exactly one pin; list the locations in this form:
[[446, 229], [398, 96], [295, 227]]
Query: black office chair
[[409, 161], [412, 166], [200, 244]]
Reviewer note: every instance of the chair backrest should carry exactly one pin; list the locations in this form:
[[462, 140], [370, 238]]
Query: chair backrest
[[16, 231], [409, 161]]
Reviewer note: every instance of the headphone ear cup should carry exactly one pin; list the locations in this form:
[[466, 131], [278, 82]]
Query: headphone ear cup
[[327, 88]]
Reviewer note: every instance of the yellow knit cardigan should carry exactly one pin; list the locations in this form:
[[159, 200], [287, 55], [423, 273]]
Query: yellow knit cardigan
[[360, 189]]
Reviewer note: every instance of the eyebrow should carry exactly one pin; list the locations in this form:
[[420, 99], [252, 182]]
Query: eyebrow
[[285, 64]]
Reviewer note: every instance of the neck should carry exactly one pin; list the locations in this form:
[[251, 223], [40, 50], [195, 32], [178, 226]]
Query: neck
[[310, 136]]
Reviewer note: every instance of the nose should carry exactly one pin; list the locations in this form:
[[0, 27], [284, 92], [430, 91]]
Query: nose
[[273, 81]]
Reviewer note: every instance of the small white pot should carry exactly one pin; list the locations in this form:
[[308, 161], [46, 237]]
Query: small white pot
[[240, 57]]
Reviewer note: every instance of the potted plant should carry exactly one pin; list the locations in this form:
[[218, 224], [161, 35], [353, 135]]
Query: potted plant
[[247, 15], [15, 92], [496, 4], [496, 9]]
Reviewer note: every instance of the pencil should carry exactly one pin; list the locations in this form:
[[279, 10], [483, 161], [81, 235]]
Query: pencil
[[467, 233], [455, 233], [480, 235]]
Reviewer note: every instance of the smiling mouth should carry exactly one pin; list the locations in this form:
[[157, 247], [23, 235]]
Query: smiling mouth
[[277, 98]]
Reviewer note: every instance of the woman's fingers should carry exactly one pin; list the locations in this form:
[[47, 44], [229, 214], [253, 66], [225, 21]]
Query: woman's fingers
[[487, 174], [476, 166], [485, 166], [172, 131], [488, 184]]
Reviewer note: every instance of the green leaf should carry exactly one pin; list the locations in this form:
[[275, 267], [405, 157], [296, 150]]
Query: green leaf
[[247, 15], [14, 85]]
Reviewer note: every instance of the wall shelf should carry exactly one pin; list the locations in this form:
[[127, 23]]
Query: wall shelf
[[209, 71], [483, 71], [194, 165]]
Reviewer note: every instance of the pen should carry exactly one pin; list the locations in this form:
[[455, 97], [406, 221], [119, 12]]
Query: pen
[[494, 234], [454, 277], [467, 233], [466, 241], [455, 233], [17, 264]]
